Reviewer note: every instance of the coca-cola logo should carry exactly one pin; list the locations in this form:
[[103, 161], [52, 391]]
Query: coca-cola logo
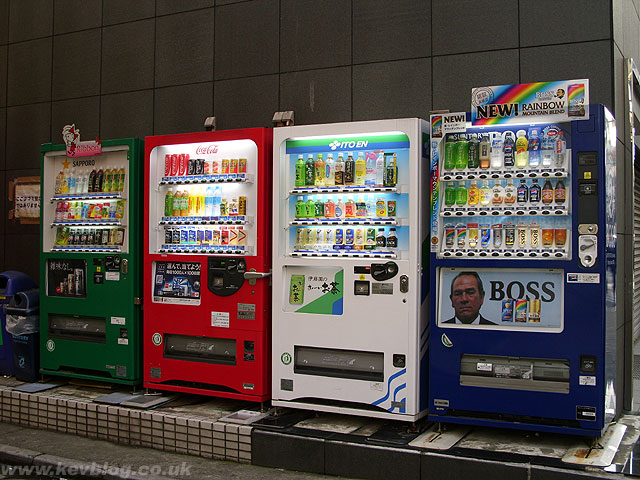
[[206, 149]]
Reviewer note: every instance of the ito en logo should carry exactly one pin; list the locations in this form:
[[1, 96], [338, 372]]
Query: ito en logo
[[446, 341], [21, 362], [286, 358], [156, 339], [51, 346], [335, 144]]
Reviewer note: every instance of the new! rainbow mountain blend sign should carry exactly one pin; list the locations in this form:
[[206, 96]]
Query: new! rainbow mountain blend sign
[[530, 102]]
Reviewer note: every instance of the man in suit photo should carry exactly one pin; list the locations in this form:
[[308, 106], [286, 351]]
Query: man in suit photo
[[467, 296]]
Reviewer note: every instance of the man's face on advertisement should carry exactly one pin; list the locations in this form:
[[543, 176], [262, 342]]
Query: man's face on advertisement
[[466, 299]]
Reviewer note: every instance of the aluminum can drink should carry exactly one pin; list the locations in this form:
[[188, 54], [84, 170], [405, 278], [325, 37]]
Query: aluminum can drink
[[472, 233], [534, 310], [449, 236], [509, 235], [497, 235], [534, 235], [167, 165], [485, 235], [242, 205], [199, 166], [233, 165], [507, 310], [192, 166], [522, 236], [79, 275], [242, 165], [461, 235], [175, 165], [520, 310], [183, 160]]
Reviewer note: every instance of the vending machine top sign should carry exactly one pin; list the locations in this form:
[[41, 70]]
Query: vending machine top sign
[[76, 148], [540, 102]]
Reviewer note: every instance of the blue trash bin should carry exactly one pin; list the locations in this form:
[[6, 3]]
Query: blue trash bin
[[23, 323], [11, 282]]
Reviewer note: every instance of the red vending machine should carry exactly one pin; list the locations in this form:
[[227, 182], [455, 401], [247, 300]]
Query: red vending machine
[[207, 263]]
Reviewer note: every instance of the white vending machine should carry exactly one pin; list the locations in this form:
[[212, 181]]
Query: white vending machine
[[350, 268]]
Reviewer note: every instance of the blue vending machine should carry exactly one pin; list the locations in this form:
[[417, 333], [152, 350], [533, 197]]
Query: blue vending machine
[[523, 257]]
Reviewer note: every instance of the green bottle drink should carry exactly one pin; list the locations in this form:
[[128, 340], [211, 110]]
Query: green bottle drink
[[450, 152], [310, 171], [461, 194], [462, 152], [311, 208], [301, 208], [449, 194], [300, 172], [474, 152]]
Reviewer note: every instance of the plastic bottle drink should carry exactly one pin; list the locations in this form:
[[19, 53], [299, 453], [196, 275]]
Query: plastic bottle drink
[[202, 198], [168, 203], [523, 192], [309, 171], [92, 180], [64, 183], [522, 149], [208, 201], [473, 160], [391, 173], [496, 152], [349, 170], [191, 204], [300, 172], [349, 208], [339, 208], [99, 179], [485, 193], [497, 194], [319, 171], [319, 208], [184, 204], [108, 183], [370, 205], [547, 192], [301, 208], [339, 175], [473, 194], [484, 152], [361, 170], [310, 208], [72, 181], [535, 192], [370, 170], [508, 148], [121, 179], [449, 194], [329, 208], [329, 171], [547, 149], [361, 208], [450, 152], [560, 192], [58, 186], [381, 207], [510, 192], [534, 147], [462, 152], [392, 239], [217, 199], [177, 202], [560, 149], [380, 169], [461, 194]]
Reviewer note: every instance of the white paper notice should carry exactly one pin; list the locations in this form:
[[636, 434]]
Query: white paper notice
[[220, 319]]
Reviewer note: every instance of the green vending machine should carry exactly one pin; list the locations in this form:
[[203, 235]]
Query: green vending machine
[[90, 269]]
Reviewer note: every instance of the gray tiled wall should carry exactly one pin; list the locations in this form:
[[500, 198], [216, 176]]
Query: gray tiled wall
[[120, 68]]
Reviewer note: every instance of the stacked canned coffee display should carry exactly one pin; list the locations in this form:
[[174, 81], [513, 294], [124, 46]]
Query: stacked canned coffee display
[[182, 165], [493, 183], [89, 237]]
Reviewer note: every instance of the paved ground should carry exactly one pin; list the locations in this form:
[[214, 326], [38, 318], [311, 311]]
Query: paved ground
[[55, 455]]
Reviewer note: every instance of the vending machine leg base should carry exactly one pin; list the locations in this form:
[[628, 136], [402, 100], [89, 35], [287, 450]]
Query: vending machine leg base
[[601, 451], [441, 436]]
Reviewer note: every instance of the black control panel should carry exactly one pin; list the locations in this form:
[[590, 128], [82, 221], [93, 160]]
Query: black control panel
[[587, 188], [225, 275]]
